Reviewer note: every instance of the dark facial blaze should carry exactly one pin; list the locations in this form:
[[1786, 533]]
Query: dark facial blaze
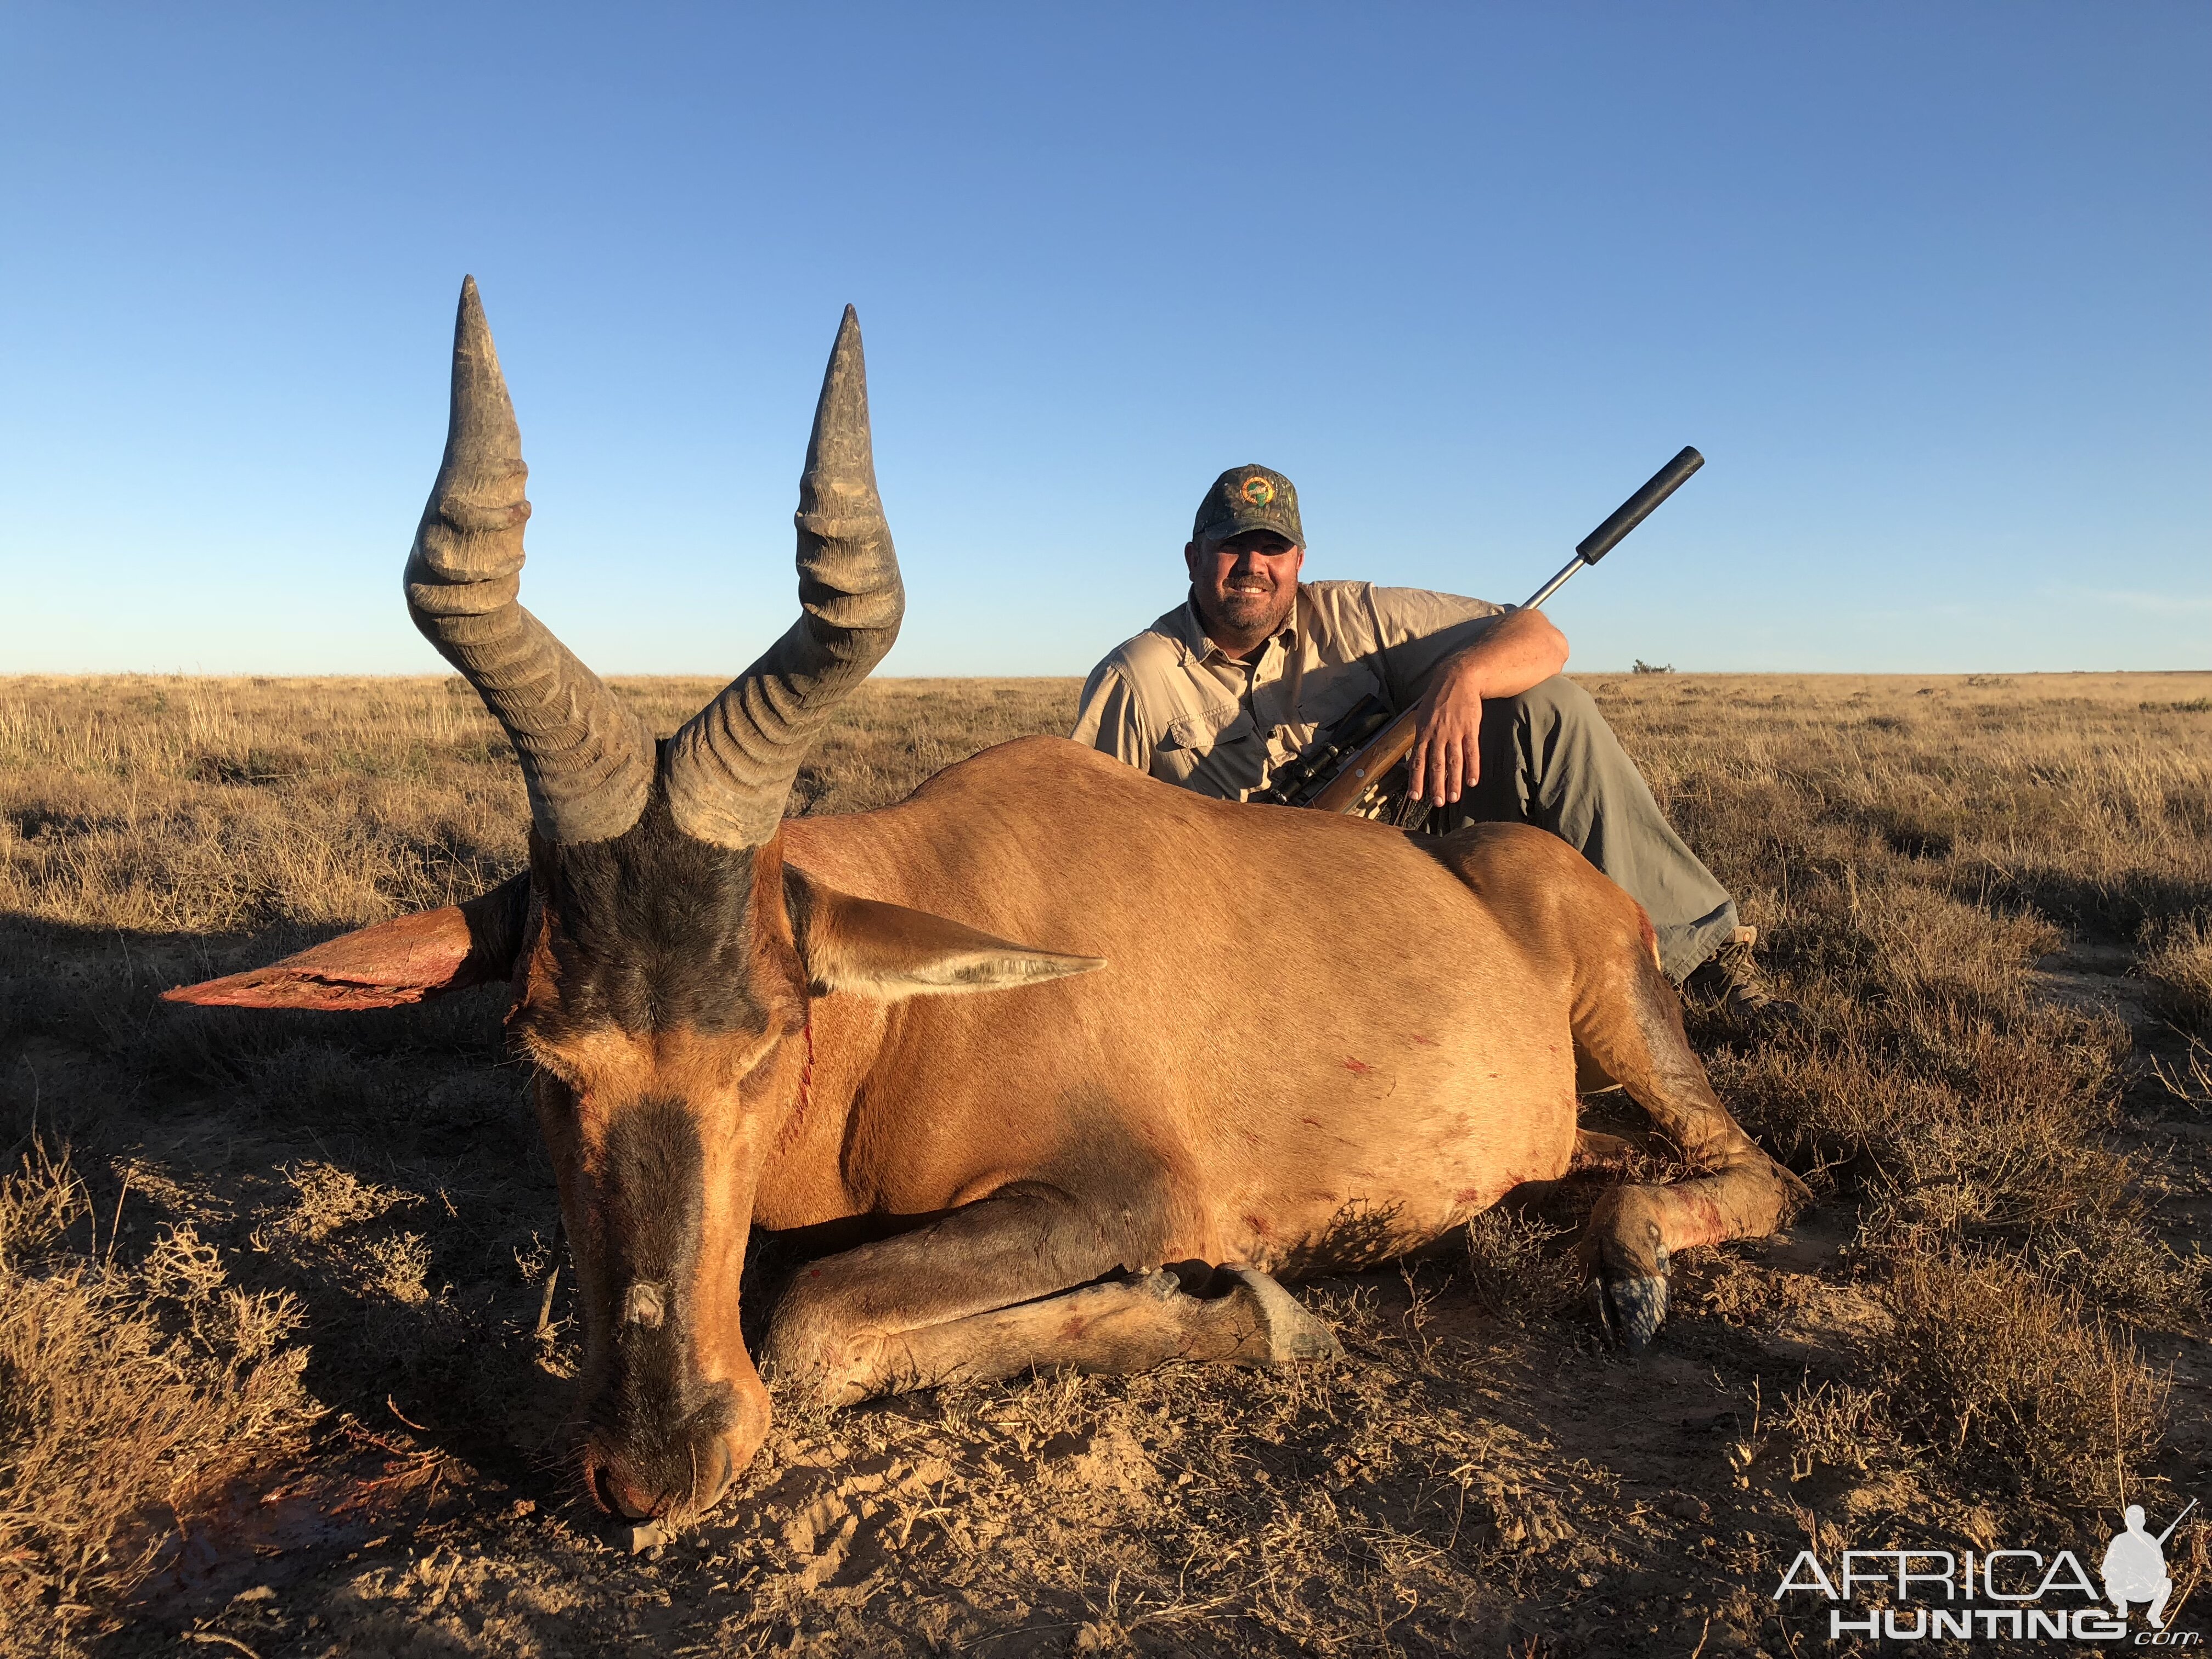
[[660, 993], [652, 1408]]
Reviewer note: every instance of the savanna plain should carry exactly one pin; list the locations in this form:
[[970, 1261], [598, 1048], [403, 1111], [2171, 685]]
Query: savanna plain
[[280, 1374]]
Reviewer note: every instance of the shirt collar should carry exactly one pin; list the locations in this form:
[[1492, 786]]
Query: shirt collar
[[1184, 626]]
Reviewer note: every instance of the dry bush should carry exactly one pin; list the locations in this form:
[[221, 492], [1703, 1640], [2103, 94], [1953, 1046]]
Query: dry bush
[[2007, 1378], [1519, 1266], [129, 1393], [2178, 961], [1836, 1424]]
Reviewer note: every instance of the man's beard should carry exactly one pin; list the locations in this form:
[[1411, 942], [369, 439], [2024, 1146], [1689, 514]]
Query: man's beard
[[1254, 613]]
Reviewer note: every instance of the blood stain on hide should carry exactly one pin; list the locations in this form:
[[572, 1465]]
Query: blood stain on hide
[[1359, 1068], [1426, 1042]]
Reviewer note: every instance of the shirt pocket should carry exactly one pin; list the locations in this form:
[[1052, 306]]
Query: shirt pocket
[[1209, 728], [1327, 693], [1222, 740]]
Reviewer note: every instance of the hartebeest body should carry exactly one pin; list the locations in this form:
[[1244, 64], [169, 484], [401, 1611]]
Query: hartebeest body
[[1316, 1043]]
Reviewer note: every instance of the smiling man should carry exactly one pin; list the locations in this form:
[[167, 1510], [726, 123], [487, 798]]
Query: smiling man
[[1238, 681]]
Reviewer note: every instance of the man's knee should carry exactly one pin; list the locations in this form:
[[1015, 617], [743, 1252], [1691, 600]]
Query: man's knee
[[1556, 704]]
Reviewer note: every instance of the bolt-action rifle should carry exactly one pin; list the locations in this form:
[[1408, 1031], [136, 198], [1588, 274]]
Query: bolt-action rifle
[[1356, 764]]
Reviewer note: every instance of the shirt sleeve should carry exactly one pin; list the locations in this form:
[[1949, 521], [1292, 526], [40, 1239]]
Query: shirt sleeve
[[1110, 720], [1418, 630]]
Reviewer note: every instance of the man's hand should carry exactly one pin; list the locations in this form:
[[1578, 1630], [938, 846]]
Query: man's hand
[[1517, 651], [1446, 760]]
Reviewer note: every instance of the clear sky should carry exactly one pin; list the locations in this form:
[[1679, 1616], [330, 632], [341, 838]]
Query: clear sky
[[1929, 285]]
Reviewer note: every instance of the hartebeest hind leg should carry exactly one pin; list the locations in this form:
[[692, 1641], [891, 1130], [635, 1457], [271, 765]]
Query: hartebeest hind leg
[[1627, 1025], [985, 1293]]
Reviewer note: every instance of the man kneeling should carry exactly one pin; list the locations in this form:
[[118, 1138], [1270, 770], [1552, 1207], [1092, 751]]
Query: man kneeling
[[1241, 679]]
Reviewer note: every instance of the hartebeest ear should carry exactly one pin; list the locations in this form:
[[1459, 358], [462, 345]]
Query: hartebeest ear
[[424, 955], [889, 951]]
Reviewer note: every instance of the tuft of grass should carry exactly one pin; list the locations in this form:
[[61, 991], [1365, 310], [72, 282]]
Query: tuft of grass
[[2002, 1373], [130, 1392], [2177, 962]]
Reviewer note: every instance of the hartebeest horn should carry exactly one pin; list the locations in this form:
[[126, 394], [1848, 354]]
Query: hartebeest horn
[[729, 770], [586, 760]]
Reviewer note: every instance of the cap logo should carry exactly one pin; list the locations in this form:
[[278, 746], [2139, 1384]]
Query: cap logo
[[1257, 492]]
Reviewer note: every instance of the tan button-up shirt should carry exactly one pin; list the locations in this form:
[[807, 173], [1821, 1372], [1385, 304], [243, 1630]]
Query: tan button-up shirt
[[1169, 702]]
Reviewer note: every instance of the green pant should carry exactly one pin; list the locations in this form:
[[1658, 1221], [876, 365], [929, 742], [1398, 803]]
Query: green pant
[[1549, 759]]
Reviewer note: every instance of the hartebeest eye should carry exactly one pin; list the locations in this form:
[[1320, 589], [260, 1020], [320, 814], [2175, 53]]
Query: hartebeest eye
[[556, 1070]]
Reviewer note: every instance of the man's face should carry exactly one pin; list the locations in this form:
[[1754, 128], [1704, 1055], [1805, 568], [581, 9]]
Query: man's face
[[1246, 584]]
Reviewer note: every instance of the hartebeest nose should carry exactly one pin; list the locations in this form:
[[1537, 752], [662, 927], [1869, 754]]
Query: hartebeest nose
[[685, 1482], [618, 1497], [653, 1451]]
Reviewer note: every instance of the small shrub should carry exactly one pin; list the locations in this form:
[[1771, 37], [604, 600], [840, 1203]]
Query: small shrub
[[1516, 1267], [129, 1395], [2000, 1372], [2177, 962], [1832, 1422]]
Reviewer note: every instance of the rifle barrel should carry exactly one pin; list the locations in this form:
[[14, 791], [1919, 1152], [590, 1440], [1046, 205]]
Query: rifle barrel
[[2176, 1521], [1578, 562]]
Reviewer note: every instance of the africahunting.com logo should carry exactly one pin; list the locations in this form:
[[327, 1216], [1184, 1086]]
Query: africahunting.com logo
[[2005, 1595]]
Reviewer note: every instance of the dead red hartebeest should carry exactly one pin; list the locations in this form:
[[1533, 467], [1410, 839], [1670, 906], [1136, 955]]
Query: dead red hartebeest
[[1086, 1057]]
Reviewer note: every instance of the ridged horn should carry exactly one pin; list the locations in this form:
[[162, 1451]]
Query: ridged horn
[[729, 770], [588, 760]]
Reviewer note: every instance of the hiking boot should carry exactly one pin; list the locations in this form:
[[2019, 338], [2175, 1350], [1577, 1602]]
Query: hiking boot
[[1728, 984]]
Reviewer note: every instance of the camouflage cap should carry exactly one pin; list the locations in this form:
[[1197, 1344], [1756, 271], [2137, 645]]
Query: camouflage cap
[[1248, 498]]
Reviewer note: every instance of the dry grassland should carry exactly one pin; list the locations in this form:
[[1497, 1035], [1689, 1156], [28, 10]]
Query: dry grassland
[[272, 1375]]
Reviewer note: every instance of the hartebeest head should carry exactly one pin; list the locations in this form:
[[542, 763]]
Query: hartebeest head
[[663, 958]]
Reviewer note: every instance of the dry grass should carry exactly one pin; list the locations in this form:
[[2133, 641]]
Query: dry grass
[[128, 1394], [2179, 964], [1994, 898], [2006, 1377]]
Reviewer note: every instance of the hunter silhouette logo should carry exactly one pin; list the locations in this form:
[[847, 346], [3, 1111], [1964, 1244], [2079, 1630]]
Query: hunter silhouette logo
[[2135, 1566], [1998, 1594], [1258, 492]]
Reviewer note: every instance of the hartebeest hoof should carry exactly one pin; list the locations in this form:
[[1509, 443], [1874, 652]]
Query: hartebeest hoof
[[1631, 1304], [1281, 1331]]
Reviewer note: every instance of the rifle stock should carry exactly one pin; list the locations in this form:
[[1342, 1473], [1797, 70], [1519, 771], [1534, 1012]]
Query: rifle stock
[[1369, 766]]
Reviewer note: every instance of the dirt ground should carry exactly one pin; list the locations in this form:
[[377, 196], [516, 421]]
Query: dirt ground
[[273, 1379]]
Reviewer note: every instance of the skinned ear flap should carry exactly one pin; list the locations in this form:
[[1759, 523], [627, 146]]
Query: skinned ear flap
[[889, 951], [394, 962]]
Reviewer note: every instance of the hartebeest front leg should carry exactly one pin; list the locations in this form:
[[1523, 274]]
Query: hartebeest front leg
[[985, 1293]]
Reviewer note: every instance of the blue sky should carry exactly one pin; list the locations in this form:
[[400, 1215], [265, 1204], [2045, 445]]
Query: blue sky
[[1926, 284]]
